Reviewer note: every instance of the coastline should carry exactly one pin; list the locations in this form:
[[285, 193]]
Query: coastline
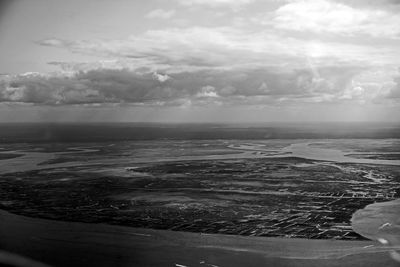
[[379, 221], [61, 243]]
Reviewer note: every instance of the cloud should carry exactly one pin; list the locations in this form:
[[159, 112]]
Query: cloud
[[382, 4], [207, 91], [95, 86], [234, 4], [160, 14], [323, 16], [160, 77], [229, 65], [226, 47], [14, 94], [268, 86], [373, 85], [394, 92], [55, 42]]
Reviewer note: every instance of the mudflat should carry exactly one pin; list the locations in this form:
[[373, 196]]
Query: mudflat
[[60, 243]]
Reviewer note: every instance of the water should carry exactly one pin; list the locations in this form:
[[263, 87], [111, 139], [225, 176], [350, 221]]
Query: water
[[380, 222], [306, 150], [31, 159]]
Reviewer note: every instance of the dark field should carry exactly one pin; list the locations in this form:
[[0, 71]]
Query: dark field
[[9, 156], [285, 197], [294, 188]]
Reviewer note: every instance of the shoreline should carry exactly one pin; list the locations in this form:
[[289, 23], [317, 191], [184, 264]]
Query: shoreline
[[61, 243], [379, 220]]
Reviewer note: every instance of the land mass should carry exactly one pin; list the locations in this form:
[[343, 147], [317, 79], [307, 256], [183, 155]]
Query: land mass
[[80, 244]]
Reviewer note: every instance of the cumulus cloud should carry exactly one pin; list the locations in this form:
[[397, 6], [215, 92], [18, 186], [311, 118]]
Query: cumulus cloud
[[207, 91], [14, 94], [160, 14], [276, 53], [324, 16], [230, 65], [222, 87], [160, 77], [234, 4]]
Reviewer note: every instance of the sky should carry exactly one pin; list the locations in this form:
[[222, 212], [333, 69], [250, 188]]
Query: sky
[[199, 60]]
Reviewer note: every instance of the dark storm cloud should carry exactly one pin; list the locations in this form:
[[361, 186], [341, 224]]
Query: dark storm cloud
[[126, 86]]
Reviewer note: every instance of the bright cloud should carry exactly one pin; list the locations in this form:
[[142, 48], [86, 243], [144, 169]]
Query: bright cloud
[[191, 53], [227, 47], [232, 65], [161, 78], [234, 4], [323, 16], [207, 91], [160, 14]]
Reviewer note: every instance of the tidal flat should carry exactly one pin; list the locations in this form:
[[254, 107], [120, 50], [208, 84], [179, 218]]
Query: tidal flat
[[269, 188]]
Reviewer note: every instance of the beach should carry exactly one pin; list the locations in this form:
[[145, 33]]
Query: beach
[[79, 244], [379, 221]]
